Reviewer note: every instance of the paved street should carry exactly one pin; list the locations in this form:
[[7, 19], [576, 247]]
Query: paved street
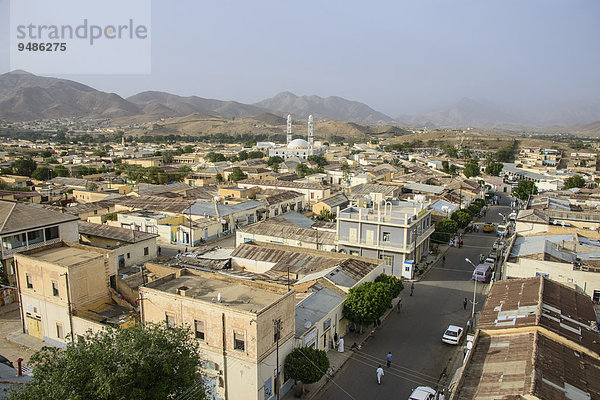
[[414, 336]]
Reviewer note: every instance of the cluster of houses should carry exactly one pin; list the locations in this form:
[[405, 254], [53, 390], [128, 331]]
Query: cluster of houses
[[86, 256]]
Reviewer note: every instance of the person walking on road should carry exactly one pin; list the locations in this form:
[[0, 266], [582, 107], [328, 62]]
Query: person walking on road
[[412, 288], [379, 374], [399, 305], [465, 301], [388, 358], [443, 260]]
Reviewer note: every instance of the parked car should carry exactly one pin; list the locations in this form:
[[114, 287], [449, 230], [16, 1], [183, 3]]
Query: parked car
[[452, 335], [488, 227], [501, 230], [490, 261], [482, 273], [422, 393], [512, 216]]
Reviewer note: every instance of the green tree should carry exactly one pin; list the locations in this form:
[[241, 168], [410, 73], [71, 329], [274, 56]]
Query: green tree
[[243, 155], [237, 175], [135, 363], [576, 181], [167, 157], [188, 149], [444, 230], [320, 160], [325, 215], [306, 365], [43, 174], [450, 151], [255, 154], [23, 166], [367, 303], [462, 218], [302, 170], [494, 168], [394, 285], [274, 160], [479, 202], [505, 154], [46, 154], [524, 189], [61, 170], [471, 168], [215, 157], [91, 186], [275, 167], [184, 169], [219, 178]]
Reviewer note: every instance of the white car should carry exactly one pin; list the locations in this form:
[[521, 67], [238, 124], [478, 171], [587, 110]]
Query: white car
[[453, 334], [422, 393]]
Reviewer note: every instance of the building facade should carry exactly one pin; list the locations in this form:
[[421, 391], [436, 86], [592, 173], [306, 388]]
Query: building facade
[[395, 233], [245, 329]]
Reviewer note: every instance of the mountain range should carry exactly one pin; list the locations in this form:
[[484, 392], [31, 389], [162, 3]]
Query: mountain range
[[24, 96]]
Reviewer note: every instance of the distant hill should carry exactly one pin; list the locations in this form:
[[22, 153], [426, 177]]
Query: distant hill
[[166, 104], [484, 113], [24, 96], [466, 112], [270, 119], [329, 108]]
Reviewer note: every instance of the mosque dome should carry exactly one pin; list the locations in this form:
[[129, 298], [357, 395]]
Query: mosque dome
[[298, 144]]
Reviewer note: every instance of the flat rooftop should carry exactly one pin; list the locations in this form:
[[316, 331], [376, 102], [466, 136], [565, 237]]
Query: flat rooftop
[[65, 256], [235, 295]]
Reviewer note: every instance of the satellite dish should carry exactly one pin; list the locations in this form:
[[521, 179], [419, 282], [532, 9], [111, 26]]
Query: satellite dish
[[307, 324]]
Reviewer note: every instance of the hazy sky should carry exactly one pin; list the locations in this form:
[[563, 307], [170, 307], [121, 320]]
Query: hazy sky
[[397, 56]]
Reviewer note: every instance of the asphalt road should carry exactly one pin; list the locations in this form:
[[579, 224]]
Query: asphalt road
[[414, 335]]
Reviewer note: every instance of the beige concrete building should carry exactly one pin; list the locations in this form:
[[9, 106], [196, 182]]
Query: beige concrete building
[[130, 247], [65, 290], [313, 192], [144, 162], [25, 227], [233, 320]]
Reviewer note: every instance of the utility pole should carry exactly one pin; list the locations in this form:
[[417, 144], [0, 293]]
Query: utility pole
[[277, 326]]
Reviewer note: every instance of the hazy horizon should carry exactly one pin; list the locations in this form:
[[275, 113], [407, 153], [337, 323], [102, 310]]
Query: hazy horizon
[[397, 58]]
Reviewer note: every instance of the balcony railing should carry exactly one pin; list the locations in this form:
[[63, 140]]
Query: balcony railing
[[7, 253], [387, 245]]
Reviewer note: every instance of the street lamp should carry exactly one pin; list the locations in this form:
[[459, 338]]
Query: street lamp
[[474, 288], [503, 217]]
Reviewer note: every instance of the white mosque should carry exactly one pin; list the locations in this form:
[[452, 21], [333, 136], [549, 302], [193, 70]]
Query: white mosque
[[298, 147]]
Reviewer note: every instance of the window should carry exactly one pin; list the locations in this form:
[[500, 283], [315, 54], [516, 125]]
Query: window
[[199, 329], [596, 296], [128, 256], [386, 236], [52, 233], [387, 260], [59, 331], [55, 288], [170, 318], [239, 342], [146, 252], [29, 281]]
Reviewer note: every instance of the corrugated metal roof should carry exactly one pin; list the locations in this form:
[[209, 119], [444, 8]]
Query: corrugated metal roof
[[208, 208], [156, 203], [115, 233], [18, 217], [313, 308], [291, 232], [422, 187]]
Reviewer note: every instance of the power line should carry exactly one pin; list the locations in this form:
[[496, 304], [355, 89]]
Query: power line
[[399, 371], [362, 353], [324, 373]]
